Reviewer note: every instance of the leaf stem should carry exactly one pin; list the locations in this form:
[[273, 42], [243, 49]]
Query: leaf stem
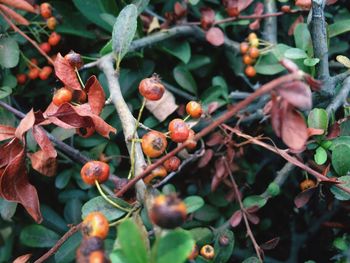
[[109, 200]]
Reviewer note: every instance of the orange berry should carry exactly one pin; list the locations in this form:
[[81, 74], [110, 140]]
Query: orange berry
[[285, 8], [54, 39], [95, 224], [306, 184], [151, 88], [232, 11], [154, 144], [254, 52], [250, 71], [172, 164], [247, 60], [33, 73], [243, 47], [45, 47], [252, 36], [194, 109], [21, 78], [45, 72], [33, 61], [63, 95], [46, 10], [51, 23], [74, 59], [194, 253], [156, 175], [168, 211], [207, 251], [191, 144], [178, 130], [97, 256], [94, 171]]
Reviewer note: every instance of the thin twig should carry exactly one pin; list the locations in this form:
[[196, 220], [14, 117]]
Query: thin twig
[[340, 98]]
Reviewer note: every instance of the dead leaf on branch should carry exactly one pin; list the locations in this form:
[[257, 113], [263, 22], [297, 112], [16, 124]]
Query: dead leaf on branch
[[66, 73], [96, 95], [6, 132], [19, 4], [297, 93], [161, 109], [258, 10], [14, 15]]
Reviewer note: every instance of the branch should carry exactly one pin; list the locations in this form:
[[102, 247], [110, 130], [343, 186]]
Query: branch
[[59, 243], [340, 98], [270, 25]]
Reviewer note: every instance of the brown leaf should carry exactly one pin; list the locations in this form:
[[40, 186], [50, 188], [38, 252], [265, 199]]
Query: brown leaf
[[243, 4], [236, 218], [96, 95], [14, 16], [25, 125], [161, 109], [207, 18], [14, 184], [271, 244], [220, 168], [303, 197], [43, 141], [65, 72], [215, 36], [6, 132], [43, 163], [297, 21], [23, 259], [313, 131], [276, 113], [304, 4], [205, 159], [215, 139], [19, 4], [334, 131], [258, 10], [297, 93], [8, 151], [254, 219]]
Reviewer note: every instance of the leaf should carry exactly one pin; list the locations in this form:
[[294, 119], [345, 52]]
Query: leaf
[[236, 218], [66, 253], [43, 163], [38, 236], [96, 95], [124, 31], [310, 62], [131, 242], [19, 4], [295, 53], [338, 28], [303, 197], [339, 193], [100, 204], [23, 259], [254, 200], [318, 119], [320, 156], [341, 159], [251, 260], [5, 92], [302, 36], [175, 245], [14, 15], [201, 235], [215, 36], [164, 107], [271, 244], [7, 209], [184, 78], [179, 49], [65, 72], [6, 132], [343, 60], [43, 141], [207, 213], [9, 52], [297, 93], [268, 64], [224, 252], [193, 203]]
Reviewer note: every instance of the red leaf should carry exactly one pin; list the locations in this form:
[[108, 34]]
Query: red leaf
[[179, 10], [215, 36], [65, 72], [220, 168], [212, 107], [303, 197], [258, 10], [19, 4], [313, 131], [253, 209], [43, 141], [297, 21], [271, 244], [304, 4], [254, 219], [25, 125], [243, 4], [276, 113], [23, 259], [6, 132], [14, 184], [96, 95], [207, 18], [43, 163], [14, 16], [205, 159], [334, 131], [215, 139], [236, 218], [8, 151], [297, 93]]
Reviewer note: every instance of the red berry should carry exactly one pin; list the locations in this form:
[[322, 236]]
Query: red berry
[[154, 144], [254, 52], [151, 88], [156, 175], [207, 252], [250, 71], [244, 46], [54, 39], [33, 73], [63, 95], [51, 23], [94, 171], [45, 47], [74, 59], [21, 78], [45, 72], [46, 10], [178, 130], [95, 225], [194, 109], [172, 164]]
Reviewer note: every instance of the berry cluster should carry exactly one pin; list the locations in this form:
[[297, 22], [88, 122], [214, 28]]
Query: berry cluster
[[206, 251], [250, 53]]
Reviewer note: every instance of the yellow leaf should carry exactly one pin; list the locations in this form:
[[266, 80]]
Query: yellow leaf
[[343, 60]]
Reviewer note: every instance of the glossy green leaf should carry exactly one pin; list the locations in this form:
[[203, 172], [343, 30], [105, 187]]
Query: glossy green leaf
[[38, 236], [340, 194], [295, 53], [52, 219], [179, 49], [340, 140], [193, 203], [320, 156], [341, 159], [117, 256], [107, 48], [67, 252], [141, 5], [224, 252], [254, 200], [339, 27], [197, 61], [207, 213], [7, 209], [310, 62], [185, 80], [72, 211], [5, 91], [202, 235], [124, 31], [268, 63], [302, 36], [9, 52], [318, 119]]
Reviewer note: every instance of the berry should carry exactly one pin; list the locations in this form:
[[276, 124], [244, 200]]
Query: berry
[[51, 23], [95, 224], [54, 39], [191, 144], [46, 10], [63, 95], [45, 72], [21, 78], [87, 246], [207, 251], [194, 109], [232, 11], [33, 73], [168, 211], [194, 253], [306, 184], [156, 175], [304, 4], [45, 47], [285, 8], [33, 61], [94, 171], [74, 59], [154, 144], [97, 256], [243, 47], [178, 130], [172, 164], [254, 42], [247, 60], [151, 88], [254, 52], [252, 36], [250, 71]]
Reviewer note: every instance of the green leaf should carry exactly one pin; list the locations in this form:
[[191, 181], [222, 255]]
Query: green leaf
[[100, 204], [254, 200], [295, 53], [9, 52], [318, 119], [131, 242], [273, 189], [179, 49], [67, 251], [207, 213], [117, 256], [107, 48], [341, 159], [184, 78], [202, 235], [341, 244], [302, 36], [197, 61], [72, 211], [340, 194], [124, 31], [141, 5], [340, 140], [5, 91], [310, 62], [320, 156], [38, 236], [345, 128], [224, 252], [339, 27], [251, 260], [168, 189], [268, 64], [52, 219], [193, 203], [7, 209], [175, 246], [194, 2]]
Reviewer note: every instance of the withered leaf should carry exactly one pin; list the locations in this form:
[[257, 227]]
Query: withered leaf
[[303, 197], [215, 36], [23, 259], [253, 218], [25, 125], [44, 142], [65, 72], [271, 244], [19, 4], [297, 93], [14, 15], [43, 163], [236, 218], [96, 95], [205, 159], [6, 132]]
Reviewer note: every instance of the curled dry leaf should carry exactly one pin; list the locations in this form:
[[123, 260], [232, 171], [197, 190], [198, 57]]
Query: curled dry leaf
[[66, 73], [44, 142], [25, 125], [96, 95], [215, 36], [215, 139], [236, 218], [253, 218], [297, 93], [14, 16], [161, 109], [44, 164], [241, 4], [19, 4], [6, 132], [205, 159]]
